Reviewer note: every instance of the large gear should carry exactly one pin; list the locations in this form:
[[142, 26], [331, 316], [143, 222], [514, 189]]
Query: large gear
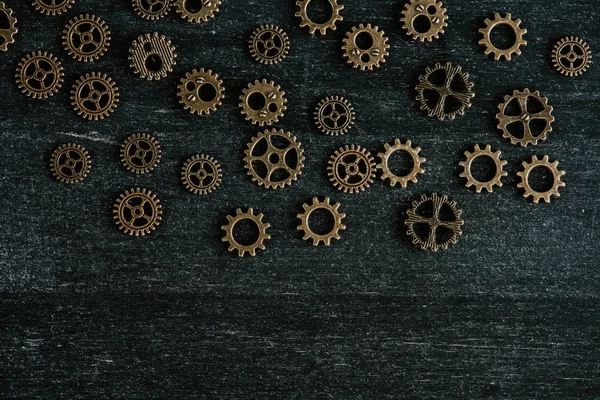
[[140, 153], [39, 75], [86, 37], [8, 31], [325, 238], [571, 56], [431, 11], [556, 175], [137, 212], [371, 56], [94, 96], [152, 9], [486, 40], [201, 174], [351, 169], [201, 92], [334, 115], [197, 15], [251, 217], [416, 158], [273, 103], [52, 7], [468, 162], [269, 44], [70, 163], [152, 56], [323, 26]]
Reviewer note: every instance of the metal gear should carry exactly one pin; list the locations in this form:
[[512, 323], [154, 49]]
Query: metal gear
[[351, 169], [368, 58], [137, 212], [273, 98], [514, 25], [304, 217], [524, 117], [550, 166], [468, 162], [321, 27], [426, 10], [283, 157], [52, 7], [442, 230], [269, 44], [198, 15], [7, 32], [385, 157], [140, 153], [152, 9], [86, 37], [152, 56], [201, 174], [334, 116], [248, 216], [94, 96], [571, 56], [191, 92], [39, 75], [70, 163]]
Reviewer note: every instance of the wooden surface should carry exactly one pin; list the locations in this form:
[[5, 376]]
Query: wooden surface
[[511, 311]]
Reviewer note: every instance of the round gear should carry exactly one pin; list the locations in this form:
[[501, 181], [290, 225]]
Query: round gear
[[52, 7], [201, 174], [86, 38], [456, 85], [468, 163], [431, 11], [571, 56], [70, 163], [201, 92], [556, 175], [94, 96], [8, 31], [274, 159], [271, 102], [152, 9], [351, 169], [140, 153], [269, 44], [137, 212], [385, 157], [39, 75], [434, 222], [152, 56], [257, 221], [321, 27], [506, 117], [334, 209], [197, 15], [367, 58], [516, 28], [334, 116]]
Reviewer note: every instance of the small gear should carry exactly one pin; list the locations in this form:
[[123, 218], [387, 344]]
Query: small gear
[[137, 212], [441, 219], [86, 37], [370, 57], [9, 28], [52, 7], [272, 102], [477, 153], [70, 163], [351, 169], [94, 96], [334, 115], [198, 12], [274, 159], [140, 153], [556, 175], [152, 56], [456, 85], [152, 9], [430, 11], [201, 92], [487, 41], [385, 157], [257, 221], [321, 27], [524, 117], [334, 209], [571, 56], [39, 75], [269, 44], [201, 174]]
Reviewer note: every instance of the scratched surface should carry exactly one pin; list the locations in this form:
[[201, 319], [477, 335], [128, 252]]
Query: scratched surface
[[511, 311]]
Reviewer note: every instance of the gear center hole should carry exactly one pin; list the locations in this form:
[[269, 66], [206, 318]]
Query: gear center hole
[[364, 41], [193, 6], [274, 158], [257, 101], [421, 24], [153, 62], [541, 179], [321, 221], [207, 92], [245, 232], [503, 37], [401, 163], [319, 11], [483, 169]]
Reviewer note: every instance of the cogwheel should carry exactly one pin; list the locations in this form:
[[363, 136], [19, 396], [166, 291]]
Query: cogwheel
[[571, 56], [197, 15], [152, 56], [556, 175], [351, 169], [334, 115], [86, 38], [272, 99], [201, 92], [201, 174], [468, 163], [385, 158], [70, 163], [140, 153], [8, 31], [514, 25], [269, 44], [256, 220], [431, 11], [152, 9], [372, 57], [39, 75], [52, 7], [94, 96], [321, 27], [277, 166], [325, 238], [137, 212]]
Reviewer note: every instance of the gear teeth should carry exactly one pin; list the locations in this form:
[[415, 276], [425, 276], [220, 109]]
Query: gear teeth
[[134, 201], [62, 161], [556, 174], [328, 122], [366, 59], [309, 234], [152, 45], [191, 100], [565, 62], [140, 7], [363, 167], [7, 33], [272, 94], [134, 157], [24, 75], [419, 8], [262, 232], [209, 9], [389, 151], [199, 179], [94, 80], [56, 8], [468, 162], [260, 50], [486, 37], [313, 27], [96, 25]]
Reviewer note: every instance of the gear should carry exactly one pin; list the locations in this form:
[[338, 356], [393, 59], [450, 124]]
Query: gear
[[195, 98], [454, 77], [272, 99], [279, 164], [94, 96], [334, 116], [201, 174], [351, 169], [140, 153], [440, 216], [257, 221], [269, 44], [370, 57], [197, 15], [152, 56], [431, 11], [70, 163], [152, 9], [39, 75], [524, 117], [467, 164], [53, 7], [321, 27], [137, 212], [487, 42], [550, 166], [571, 56], [86, 38], [321, 205], [8, 31], [385, 157]]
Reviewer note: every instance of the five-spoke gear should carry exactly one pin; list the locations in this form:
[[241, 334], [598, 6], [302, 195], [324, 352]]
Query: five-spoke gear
[[94, 96], [269, 44], [351, 169], [70, 163], [137, 212], [86, 37], [571, 56], [334, 115], [140, 153], [39, 75], [201, 174]]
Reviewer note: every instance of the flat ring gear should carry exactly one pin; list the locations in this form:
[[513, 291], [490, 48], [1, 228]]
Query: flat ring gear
[[351, 169], [8, 31], [94, 96], [571, 56], [426, 10], [304, 217], [556, 175], [414, 154], [152, 9], [70, 163], [197, 15], [39, 75], [321, 27], [269, 44], [86, 37], [140, 153], [137, 212], [152, 56], [191, 92], [201, 174], [257, 220], [468, 163], [52, 7], [367, 58], [334, 116], [486, 41], [273, 98]]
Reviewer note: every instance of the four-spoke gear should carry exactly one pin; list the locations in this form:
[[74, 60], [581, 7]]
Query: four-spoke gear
[[7, 31], [571, 56], [507, 117], [140, 153], [369, 54], [519, 33], [416, 159], [257, 221], [271, 102], [269, 44], [137, 212], [201, 174], [198, 11], [351, 169], [322, 26], [70, 163], [39, 75], [434, 222], [334, 210], [433, 95], [52, 7], [94, 96], [152, 9], [429, 11], [152, 56], [201, 92], [552, 167], [274, 158], [334, 115], [467, 164], [86, 37]]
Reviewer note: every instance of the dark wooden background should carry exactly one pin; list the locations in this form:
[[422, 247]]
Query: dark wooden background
[[511, 311]]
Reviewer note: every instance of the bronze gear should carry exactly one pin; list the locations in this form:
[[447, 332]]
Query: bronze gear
[[137, 212], [334, 115], [274, 99], [571, 56], [208, 10], [385, 157], [39, 75], [140, 153], [269, 44], [86, 38], [152, 49], [431, 10], [262, 232], [7, 33], [94, 96], [370, 58], [201, 174], [351, 169], [486, 152], [514, 25], [52, 7], [152, 9], [321, 27], [433, 222], [452, 72], [276, 157], [304, 217], [525, 117], [190, 92], [556, 174], [70, 163]]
